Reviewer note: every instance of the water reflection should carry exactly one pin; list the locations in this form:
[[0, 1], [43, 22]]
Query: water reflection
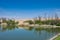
[[8, 27], [44, 33], [12, 27], [29, 33]]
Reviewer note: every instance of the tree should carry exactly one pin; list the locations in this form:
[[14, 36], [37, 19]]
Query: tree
[[56, 16], [30, 22]]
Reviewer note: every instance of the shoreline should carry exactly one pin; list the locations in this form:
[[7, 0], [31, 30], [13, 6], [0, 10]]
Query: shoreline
[[54, 37], [43, 26]]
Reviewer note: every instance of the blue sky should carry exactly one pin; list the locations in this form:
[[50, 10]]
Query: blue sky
[[28, 8]]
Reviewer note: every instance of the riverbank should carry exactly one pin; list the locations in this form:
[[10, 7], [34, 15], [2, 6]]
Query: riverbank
[[53, 38], [58, 38], [49, 26], [42, 26]]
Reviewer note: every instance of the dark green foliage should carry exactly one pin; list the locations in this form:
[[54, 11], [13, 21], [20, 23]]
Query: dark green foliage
[[51, 22], [38, 22], [58, 24], [30, 22], [11, 22], [30, 28], [47, 22]]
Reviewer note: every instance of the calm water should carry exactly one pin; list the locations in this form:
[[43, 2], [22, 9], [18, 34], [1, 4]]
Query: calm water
[[26, 33]]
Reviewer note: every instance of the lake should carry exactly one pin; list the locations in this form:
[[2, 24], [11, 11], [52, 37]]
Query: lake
[[27, 33]]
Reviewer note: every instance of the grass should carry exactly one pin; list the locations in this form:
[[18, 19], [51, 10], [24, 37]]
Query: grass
[[58, 38]]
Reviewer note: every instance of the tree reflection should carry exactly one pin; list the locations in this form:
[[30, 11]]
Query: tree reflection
[[49, 30], [39, 29], [8, 27]]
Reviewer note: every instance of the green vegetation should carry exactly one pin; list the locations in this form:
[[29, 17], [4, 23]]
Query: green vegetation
[[58, 38], [11, 22], [38, 22], [30, 22], [47, 22], [8, 21], [52, 21], [48, 29], [9, 27], [58, 24]]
